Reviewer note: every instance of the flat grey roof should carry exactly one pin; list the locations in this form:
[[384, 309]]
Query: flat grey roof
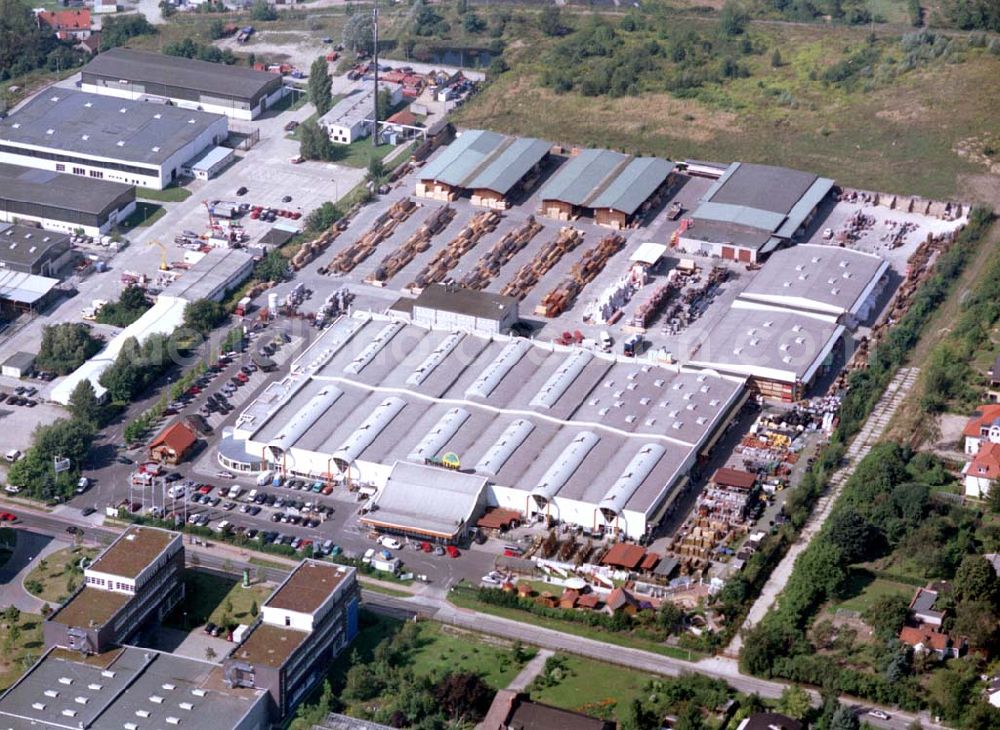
[[210, 274], [767, 342], [606, 179], [482, 160], [357, 105], [460, 300], [122, 686], [25, 245], [105, 126], [20, 360], [210, 158], [816, 277], [751, 203], [472, 394], [428, 498], [67, 192], [157, 68], [22, 288]]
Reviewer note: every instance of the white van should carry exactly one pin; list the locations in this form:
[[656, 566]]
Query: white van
[[252, 495], [264, 478], [234, 492], [604, 341], [12, 455]]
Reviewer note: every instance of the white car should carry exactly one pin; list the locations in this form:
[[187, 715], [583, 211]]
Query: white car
[[224, 475], [369, 554], [492, 578], [879, 714], [82, 485], [389, 542]]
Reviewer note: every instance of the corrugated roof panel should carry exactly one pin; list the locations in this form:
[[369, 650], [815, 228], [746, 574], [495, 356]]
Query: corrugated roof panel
[[561, 379], [577, 181], [302, 421], [506, 168], [568, 462], [504, 447], [635, 474], [497, 370], [739, 215], [633, 185], [368, 431], [462, 158], [805, 205], [444, 430]]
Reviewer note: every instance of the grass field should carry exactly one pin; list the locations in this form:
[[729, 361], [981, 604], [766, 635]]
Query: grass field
[[863, 588], [173, 194], [592, 687], [212, 597], [19, 647], [56, 576], [901, 136], [145, 214], [443, 649]]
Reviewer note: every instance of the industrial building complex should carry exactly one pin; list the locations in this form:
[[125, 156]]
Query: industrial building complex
[[583, 437], [131, 142], [608, 185], [751, 210], [63, 202], [490, 167], [238, 92], [350, 119]]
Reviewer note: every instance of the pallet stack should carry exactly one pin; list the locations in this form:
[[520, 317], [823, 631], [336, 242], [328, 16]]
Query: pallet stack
[[448, 257], [418, 242], [311, 249], [489, 265], [530, 274], [583, 272], [383, 227]]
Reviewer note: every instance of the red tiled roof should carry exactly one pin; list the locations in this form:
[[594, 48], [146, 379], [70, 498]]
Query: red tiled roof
[[66, 19], [649, 561], [983, 416], [623, 555], [588, 600], [403, 116], [726, 477], [986, 462], [177, 437], [933, 639], [619, 598], [498, 518]]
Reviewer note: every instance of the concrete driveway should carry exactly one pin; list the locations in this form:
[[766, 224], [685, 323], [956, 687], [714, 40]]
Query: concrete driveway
[[30, 546]]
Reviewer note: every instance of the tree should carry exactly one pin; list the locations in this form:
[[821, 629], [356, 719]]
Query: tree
[[204, 315], [384, 104], [776, 61], [844, 719], [463, 696], [975, 580], [24, 46], [472, 23], [854, 535], [216, 29], [550, 20], [262, 10], [323, 217], [131, 305], [273, 267], [794, 702], [84, 405], [314, 142], [361, 683], [638, 717], [210, 654], [66, 346], [886, 615], [319, 86], [732, 18], [359, 33], [253, 609], [167, 9], [376, 170], [118, 29], [12, 614], [977, 620]]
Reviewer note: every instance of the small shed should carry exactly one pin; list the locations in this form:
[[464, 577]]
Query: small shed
[[173, 443], [18, 365], [623, 555]]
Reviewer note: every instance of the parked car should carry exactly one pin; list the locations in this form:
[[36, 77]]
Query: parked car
[[87, 511], [390, 542], [453, 551]]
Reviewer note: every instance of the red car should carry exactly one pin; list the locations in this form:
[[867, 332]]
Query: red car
[[242, 377], [452, 551], [204, 489], [194, 390], [7, 517], [328, 489], [426, 547]]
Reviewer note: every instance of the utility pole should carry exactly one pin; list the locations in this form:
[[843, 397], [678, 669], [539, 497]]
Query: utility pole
[[375, 61]]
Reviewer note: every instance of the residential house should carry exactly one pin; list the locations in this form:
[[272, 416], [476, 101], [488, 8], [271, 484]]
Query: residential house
[[927, 641], [66, 24], [982, 427], [769, 721], [173, 443], [980, 474], [515, 711], [994, 373], [922, 608], [105, 6], [620, 600]]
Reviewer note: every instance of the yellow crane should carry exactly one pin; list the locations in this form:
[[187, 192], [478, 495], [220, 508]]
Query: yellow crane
[[163, 254]]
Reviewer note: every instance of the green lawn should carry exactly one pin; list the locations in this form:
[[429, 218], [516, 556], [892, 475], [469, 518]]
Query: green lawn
[[591, 687], [56, 576], [145, 214], [863, 588], [20, 647], [444, 649], [358, 153], [464, 597], [173, 194], [212, 597], [294, 134]]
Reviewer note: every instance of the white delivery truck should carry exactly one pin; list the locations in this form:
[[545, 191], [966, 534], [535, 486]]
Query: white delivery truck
[[389, 566], [264, 478]]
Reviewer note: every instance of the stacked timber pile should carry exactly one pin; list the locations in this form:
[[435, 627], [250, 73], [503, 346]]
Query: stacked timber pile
[[418, 242], [448, 257], [550, 254], [383, 227], [500, 253], [311, 249], [582, 273]]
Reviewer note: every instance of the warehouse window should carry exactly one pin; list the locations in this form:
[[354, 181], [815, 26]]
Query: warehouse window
[[60, 168], [96, 173], [79, 171]]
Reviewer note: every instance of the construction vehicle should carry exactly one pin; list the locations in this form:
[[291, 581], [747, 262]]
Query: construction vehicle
[[164, 266]]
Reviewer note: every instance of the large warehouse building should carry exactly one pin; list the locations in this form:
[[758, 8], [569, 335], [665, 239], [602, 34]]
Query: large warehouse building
[[63, 202], [491, 167], [31, 250], [612, 187], [236, 91], [131, 142], [582, 437], [783, 329], [751, 210]]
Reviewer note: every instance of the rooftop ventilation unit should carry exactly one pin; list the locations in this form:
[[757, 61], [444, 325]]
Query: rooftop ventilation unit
[[94, 687], [50, 131], [768, 323], [51, 693], [38, 706], [81, 700], [65, 680]]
